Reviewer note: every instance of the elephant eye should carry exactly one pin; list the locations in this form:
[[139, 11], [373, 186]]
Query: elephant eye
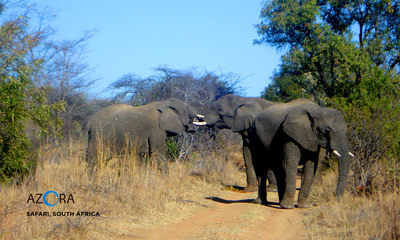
[[175, 111], [328, 130]]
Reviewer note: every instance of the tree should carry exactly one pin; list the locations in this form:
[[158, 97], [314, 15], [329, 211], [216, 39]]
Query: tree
[[343, 54], [320, 40], [65, 73], [21, 103], [61, 69], [41, 85], [284, 87], [185, 85]]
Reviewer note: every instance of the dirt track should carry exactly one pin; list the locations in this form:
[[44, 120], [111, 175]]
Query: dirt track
[[232, 216]]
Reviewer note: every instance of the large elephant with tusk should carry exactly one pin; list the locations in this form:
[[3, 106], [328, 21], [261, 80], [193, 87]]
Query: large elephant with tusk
[[237, 114], [284, 136]]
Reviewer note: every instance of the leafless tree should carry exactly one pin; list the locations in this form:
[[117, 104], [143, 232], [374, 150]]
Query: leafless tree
[[187, 85]]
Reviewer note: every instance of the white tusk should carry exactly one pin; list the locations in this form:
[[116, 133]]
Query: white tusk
[[352, 155], [199, 123], [337, 153], [200, 116]]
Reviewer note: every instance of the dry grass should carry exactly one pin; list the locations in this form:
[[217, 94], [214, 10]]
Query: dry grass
[[129, 195], [355, 217], [126, 194]]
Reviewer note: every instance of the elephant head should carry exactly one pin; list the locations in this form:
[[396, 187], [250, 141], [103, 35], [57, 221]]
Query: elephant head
[[311, 127], [174, 118], [231, 112]]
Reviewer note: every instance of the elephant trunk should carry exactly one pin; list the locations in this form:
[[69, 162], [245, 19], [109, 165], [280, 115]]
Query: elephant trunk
[[344, 166], [207, 116]]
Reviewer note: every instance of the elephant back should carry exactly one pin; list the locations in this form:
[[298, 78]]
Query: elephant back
[[262, 102], [120, 124]]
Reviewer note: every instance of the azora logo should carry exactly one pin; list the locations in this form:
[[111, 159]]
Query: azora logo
[[50, 198]]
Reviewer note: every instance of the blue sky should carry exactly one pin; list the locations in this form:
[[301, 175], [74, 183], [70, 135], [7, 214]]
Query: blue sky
[[137, 36]]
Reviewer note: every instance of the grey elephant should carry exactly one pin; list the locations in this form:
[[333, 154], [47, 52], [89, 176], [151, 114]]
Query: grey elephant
[[237, 114], [123, 128], [284, 136]]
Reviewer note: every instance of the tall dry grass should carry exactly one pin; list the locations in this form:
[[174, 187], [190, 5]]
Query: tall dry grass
[[127, 194], [355, 216]]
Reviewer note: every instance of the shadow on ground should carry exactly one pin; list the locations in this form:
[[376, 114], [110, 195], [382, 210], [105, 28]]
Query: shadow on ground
[[226, 201], [248, 200], [233, 188], [221, 200]]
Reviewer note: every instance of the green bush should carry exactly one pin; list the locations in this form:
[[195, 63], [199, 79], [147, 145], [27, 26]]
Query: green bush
[[372, 111], [21, 103]]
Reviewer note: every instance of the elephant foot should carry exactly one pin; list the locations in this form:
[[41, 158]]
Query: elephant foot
[[272, 188], [250, 188], [303, 205], [303, 201], [259, 201], [285, 204]]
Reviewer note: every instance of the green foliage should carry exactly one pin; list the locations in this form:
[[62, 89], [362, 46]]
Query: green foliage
[[172, 148], [284, 90], [287, 83], [14, 79], [13, 141], [21, 104], [323, 55], [372, 111], [344, 54], [287, 23]]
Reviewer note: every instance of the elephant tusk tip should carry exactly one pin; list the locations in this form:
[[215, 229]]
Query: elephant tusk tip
[[200, 116], [199, 123], [351, 154], [337, 153]]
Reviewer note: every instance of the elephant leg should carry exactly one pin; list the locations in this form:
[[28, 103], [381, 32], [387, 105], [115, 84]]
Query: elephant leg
[[291, 159], [250, 172], [273, 187], [161, 160], [93, 152], [309, 173], [90, 158], [318, 173], [157, 151], [262, 188], [280, 176]]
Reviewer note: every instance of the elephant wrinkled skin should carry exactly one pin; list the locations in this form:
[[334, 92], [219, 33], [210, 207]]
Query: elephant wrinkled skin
[[286, 135], [237, 114], [123, 129]]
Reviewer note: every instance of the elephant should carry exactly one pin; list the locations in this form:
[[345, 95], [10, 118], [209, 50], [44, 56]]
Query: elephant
[[123, 128], [237, 114], [286, 135]]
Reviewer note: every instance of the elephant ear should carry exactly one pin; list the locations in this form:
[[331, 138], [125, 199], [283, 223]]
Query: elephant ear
[[170, 120], [299, 125], [268, 122], [244, 116]]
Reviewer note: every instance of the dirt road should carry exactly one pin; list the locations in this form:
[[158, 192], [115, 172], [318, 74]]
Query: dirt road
[[231, 216]]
